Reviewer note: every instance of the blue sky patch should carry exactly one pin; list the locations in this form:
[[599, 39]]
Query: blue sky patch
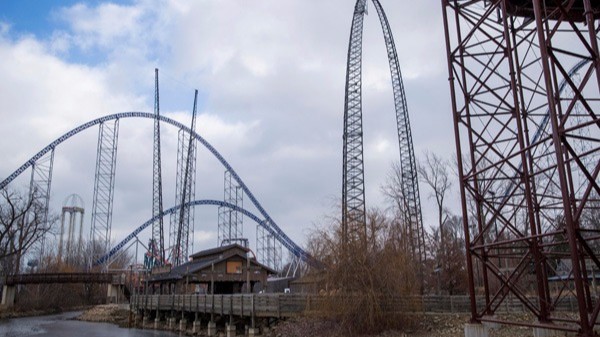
[[35, 16]]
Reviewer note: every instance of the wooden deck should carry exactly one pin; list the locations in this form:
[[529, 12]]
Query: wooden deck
[[289, 305], [256, 305]]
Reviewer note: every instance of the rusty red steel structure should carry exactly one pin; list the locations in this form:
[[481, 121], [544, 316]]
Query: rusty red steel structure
[[524, 80]]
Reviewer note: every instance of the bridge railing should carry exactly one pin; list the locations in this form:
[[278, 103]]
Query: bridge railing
[[41, 278]]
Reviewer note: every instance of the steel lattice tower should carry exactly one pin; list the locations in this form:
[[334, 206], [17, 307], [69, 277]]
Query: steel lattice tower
[[268, 248], [230, 225], [525, 89], [182, 224], [104, 185], [39, 188], [353, 194], [157, 203], [353, 189]]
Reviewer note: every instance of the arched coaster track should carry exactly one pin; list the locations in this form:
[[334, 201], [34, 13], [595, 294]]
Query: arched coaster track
[[268, 223]]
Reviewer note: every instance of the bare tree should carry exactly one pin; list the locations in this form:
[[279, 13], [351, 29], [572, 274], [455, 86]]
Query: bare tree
[[358, 286], [435, 173], [399, 229], [450, 275], [23, 222]]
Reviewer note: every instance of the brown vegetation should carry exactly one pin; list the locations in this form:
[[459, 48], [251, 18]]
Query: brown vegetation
[[360, 273], [373, 262], [415, 325], [107, 313], [23, 223]]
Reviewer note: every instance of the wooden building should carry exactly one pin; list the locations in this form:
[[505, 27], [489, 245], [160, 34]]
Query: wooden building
[[222, 270]]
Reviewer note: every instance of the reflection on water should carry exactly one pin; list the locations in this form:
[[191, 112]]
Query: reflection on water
[[64, 325]]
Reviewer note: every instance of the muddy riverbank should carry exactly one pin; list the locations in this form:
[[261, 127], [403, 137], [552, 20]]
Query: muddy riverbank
[[67, 325]]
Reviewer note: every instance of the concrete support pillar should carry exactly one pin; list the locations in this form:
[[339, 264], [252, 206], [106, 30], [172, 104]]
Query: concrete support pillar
[[230, 330], [182, 325], [212, 328], [157, 322], [114, 293], [196, 326], [476, 330], [492, 325], [8, 296], [171, 323], [252, 332]]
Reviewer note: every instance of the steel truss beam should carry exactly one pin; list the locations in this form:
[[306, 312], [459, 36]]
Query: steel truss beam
[[353, 195], [528, 139], [104, 185], [39, 188], [413, 217], [230, 223], [268, 248], [182, 224], [353, 188], [157, 202]]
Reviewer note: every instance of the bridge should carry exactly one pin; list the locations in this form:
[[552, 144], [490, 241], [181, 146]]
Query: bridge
[[45, 278]]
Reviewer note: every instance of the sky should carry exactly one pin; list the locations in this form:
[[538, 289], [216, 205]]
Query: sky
[[270, 76]]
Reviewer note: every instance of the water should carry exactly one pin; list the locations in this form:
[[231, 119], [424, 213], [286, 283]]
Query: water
[[64, 325]]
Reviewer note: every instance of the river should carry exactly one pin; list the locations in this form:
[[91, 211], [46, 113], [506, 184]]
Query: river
[[64, 325]]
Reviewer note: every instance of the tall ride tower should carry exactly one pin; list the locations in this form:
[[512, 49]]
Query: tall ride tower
[[158, 235], [524, 81], [353, 190]]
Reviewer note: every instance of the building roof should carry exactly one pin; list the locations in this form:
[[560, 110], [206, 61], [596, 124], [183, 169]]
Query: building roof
[[217, 250], [205, 259]]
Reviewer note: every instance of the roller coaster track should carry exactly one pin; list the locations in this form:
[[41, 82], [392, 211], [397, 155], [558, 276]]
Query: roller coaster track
[[268, 222], [353, 184], [173, 210], [537, 136]]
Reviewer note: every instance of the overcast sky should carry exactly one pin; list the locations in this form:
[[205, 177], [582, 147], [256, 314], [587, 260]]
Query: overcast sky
[[271, 79]]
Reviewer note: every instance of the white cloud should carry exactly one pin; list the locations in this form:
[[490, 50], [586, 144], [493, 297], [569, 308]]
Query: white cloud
[[205, 238], [271, 76], [103, 25]]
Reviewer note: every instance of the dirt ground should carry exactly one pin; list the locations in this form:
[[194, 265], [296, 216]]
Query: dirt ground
[[106, 313], [420, 325]]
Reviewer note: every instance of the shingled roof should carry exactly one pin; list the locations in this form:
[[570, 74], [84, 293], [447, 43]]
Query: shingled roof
[[204, 259]]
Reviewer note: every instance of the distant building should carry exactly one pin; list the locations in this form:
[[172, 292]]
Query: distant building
[[313, 283], [226, 270]]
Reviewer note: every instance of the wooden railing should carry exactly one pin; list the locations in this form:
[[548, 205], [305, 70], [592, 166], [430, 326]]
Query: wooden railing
[[287, 305], [258, 305]]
